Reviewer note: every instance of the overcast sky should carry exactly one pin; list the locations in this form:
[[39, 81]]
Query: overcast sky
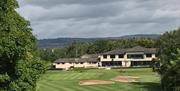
[[100, 18]]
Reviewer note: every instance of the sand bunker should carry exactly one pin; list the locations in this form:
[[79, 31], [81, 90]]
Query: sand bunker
[[125, 79], [94, 82]]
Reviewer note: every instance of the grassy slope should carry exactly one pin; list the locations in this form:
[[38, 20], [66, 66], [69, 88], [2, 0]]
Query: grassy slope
[[68, 80]]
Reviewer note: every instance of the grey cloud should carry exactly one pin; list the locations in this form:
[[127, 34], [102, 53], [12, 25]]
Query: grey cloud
[[51, 3], [70, 11], [80, 12], [100, 18]]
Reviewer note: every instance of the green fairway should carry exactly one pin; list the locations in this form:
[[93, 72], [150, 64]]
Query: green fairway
[[68, 80]]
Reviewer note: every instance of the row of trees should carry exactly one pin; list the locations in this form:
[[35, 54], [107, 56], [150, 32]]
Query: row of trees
[[71, 50], [76, 49], [169, 55]]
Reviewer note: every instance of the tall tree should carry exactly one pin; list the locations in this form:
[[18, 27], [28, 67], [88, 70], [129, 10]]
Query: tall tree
[[170, 79], [168, 52], [19, 68], [76, 49]]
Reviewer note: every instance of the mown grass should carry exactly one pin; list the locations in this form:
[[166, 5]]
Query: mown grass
[[68, 80]]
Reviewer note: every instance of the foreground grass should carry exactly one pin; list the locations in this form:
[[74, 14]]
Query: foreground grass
[[68, 80]]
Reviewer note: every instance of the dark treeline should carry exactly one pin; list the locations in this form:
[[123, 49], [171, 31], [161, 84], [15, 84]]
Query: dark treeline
[[76, 49]]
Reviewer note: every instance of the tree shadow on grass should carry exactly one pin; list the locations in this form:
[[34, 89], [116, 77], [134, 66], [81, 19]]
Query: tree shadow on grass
[[148, 86]]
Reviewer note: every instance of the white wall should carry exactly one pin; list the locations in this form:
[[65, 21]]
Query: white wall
[[126, 59], [126, 63], [110, 59], [68, 65]]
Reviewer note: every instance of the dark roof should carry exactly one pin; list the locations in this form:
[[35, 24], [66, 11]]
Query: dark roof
[[90, 56], [76, 60], [134, 49], [117, 51], [88, 59], [66, 60]]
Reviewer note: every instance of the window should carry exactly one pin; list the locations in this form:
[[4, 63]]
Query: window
[[81, 62], [148, 55], [156, 55], [58, 63], [121, 56], [94, 62], [63, 63], [104, 56], [112, 56], [135, 56]]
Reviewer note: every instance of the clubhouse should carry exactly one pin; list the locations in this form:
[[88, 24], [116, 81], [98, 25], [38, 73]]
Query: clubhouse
[[86, 61], [129, 57]]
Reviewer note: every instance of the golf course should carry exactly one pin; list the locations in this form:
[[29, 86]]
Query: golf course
[[57, 80]]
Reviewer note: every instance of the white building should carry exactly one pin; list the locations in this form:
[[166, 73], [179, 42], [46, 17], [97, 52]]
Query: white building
[[130, 57], [86, 61]]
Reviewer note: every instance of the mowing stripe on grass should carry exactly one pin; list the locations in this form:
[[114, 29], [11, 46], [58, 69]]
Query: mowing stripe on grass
[[76, 88], [59, 87], [68, 77], [89, 75], [106, 87], [47, 88], [81, 88], [65, 77], [68, 81], [73, 76], [76, 76], [52, 88], [95, 88], [84, 76]]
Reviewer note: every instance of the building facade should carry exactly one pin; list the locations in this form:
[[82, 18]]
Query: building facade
[[86, 61], [130, 57]]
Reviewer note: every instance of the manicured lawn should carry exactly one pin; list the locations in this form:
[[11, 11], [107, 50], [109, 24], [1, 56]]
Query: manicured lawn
[[68, 80]]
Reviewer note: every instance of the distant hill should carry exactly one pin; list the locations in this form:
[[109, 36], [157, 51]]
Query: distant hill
[[151, 36], [61, 42]]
